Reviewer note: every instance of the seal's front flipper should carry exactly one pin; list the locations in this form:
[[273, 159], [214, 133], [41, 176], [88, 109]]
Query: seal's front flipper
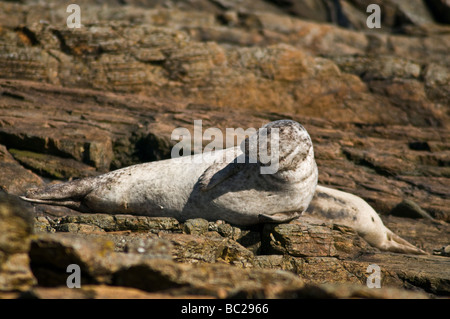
[[218, 173], [279, 218]]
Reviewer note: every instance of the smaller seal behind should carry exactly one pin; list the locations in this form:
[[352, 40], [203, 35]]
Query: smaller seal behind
[[352, 211]]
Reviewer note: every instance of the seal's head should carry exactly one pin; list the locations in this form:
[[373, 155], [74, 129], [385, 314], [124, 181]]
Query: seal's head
[[282, 144]]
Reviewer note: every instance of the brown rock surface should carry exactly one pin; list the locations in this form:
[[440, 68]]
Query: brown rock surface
[[81, 102], [305, 238], [16, 226], [128, 258], [15, 179]]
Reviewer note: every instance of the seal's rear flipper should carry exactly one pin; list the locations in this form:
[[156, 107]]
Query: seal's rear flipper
[[68, 194], [71, 204], [352, 211], [397, 244]]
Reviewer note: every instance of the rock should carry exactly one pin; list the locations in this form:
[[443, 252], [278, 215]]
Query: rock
[[197, 226], [14, 178], [51, 254], [43, 225], [408, 208], [440, 9], [352, 14], [52, 166], [139, 238], [189, 64], [77, 228], [98, 153], [143, 223], [414, 11], [315, 270], [337, 265], [196, 249], [226, 230], [379, 67], [283, 262], [306, 9], [327, 270], [344, 291], [81, 102], [100, 292], [156, 248], [16, 226], [250, 237], [212, 279], [437, 83], [119, 223], [432, 281], [309, 291], [101, 221], [306, 238]]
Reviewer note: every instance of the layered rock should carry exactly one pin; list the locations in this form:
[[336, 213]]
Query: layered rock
[[80, 102], [16, 226], [318, 252]]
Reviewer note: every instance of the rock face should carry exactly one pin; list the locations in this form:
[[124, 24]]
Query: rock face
[[170, 259], [80, 102], [16, 226]]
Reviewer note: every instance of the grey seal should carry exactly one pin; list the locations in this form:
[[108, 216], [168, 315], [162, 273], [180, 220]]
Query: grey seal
[[222, 185], [227, 185], [352, 211]]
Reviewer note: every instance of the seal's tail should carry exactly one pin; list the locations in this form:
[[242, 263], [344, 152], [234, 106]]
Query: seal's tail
[[398, 245], [68, 194]]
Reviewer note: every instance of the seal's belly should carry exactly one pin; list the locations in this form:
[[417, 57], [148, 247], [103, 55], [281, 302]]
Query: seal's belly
[[147, 190]]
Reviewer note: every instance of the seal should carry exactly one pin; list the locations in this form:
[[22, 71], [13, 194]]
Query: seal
[[226, 184], [352, 211]]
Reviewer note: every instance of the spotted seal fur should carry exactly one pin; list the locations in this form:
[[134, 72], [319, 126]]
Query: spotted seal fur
[[352, 211], [233, 190], [211, 187]]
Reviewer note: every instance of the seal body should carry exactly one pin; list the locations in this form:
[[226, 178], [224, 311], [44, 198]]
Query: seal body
[[352, 211], [224, 184], [229, 185]]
